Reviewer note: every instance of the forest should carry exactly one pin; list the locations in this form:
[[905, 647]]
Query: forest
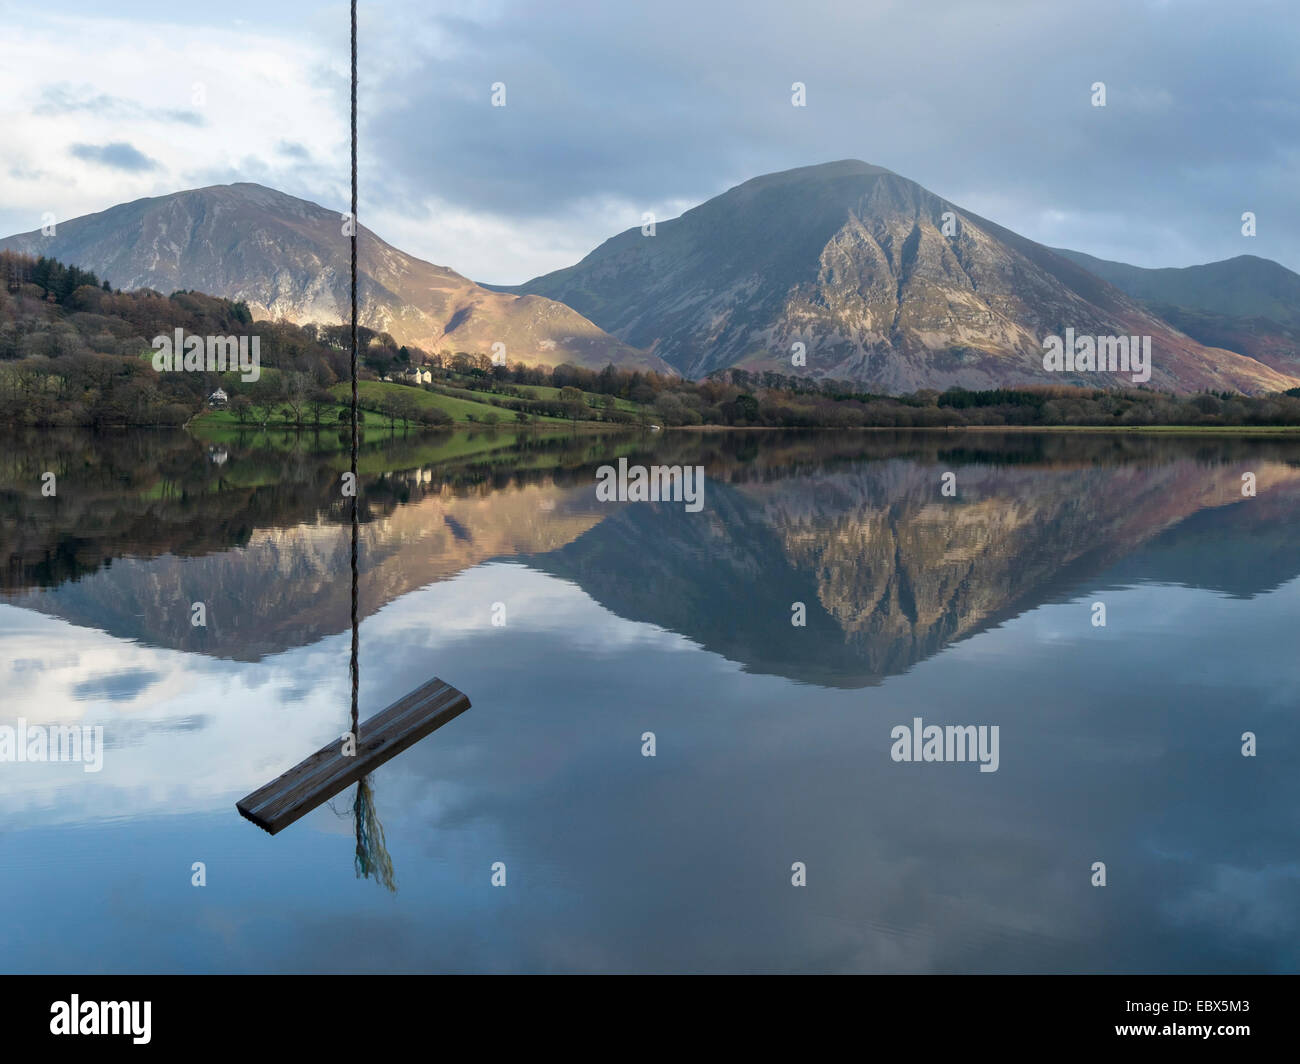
[[76, 352]]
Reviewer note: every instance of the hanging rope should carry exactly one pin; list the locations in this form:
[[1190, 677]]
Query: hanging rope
[[371, 857], [355, 486]]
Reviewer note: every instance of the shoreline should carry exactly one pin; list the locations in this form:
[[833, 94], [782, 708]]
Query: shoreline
[[194, 427], [1168, 430]]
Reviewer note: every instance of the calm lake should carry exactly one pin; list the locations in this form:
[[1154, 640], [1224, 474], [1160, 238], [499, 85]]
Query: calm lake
[[577, 626]]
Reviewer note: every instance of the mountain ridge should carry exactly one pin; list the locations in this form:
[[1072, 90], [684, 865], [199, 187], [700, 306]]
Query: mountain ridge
[[881, 280], [869, 276], [287, 258], [1246, 303]]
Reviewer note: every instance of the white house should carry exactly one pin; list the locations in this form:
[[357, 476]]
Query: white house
[[218, 398]]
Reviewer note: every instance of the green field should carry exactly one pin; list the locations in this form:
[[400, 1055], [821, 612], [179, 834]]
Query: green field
[[545, 391], [370, 393], [218, 426], [221, 426], [458, 403], [462, 386], [380, 451]]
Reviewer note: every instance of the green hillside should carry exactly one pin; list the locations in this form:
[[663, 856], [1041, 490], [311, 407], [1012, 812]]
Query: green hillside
[[372, 394]]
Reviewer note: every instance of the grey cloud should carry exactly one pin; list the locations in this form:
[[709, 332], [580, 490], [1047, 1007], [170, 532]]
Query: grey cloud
[[120, 686], [293, 150], [302, 179], [64, 98], [987, 105], [119, 156]]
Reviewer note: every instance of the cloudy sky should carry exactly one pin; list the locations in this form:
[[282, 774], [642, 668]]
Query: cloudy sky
[[613, 110]]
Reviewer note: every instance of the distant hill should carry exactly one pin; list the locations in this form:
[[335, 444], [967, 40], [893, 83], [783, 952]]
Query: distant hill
[[1243, 287], [882, 282], [1247, 304], [853, 261], [287, 259]]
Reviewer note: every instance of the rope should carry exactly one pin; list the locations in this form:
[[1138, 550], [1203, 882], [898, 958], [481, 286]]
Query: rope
[[355, 668]]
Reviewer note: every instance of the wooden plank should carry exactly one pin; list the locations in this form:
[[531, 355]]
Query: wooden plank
[[327, 772]]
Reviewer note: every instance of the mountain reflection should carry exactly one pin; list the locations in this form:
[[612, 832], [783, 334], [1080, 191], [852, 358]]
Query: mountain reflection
[[852, 525]]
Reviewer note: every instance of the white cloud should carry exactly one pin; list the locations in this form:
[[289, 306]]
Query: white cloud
[[488, 247], [205, 104], [203, 732], [613, 116]]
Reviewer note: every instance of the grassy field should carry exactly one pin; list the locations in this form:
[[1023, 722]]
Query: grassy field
[[542, 391], [461, 404], [329, 418], [380, 451], [461, 386], [461, 410], [222, 426]]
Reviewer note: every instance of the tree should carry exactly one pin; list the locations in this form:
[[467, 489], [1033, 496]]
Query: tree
[[295, 388], [387, 407], [669, 409], [319, 401], [263, 398], [746, 408], [406, 407]]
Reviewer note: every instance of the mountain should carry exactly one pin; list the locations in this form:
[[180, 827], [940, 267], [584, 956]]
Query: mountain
[[1242, 287], [852, 260], [847, 526], [888, 578], [1247, 304], [287, 258]]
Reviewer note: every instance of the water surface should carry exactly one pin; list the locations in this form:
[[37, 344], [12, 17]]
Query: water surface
[[1119, 744]]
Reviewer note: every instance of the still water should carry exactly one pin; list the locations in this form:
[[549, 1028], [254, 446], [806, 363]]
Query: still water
[[577, 626]]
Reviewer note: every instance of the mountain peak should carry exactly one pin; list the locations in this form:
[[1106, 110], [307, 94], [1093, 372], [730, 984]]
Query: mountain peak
[[835, 186], [831, 171], [871, 278], [248, 195], [287, 258]]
